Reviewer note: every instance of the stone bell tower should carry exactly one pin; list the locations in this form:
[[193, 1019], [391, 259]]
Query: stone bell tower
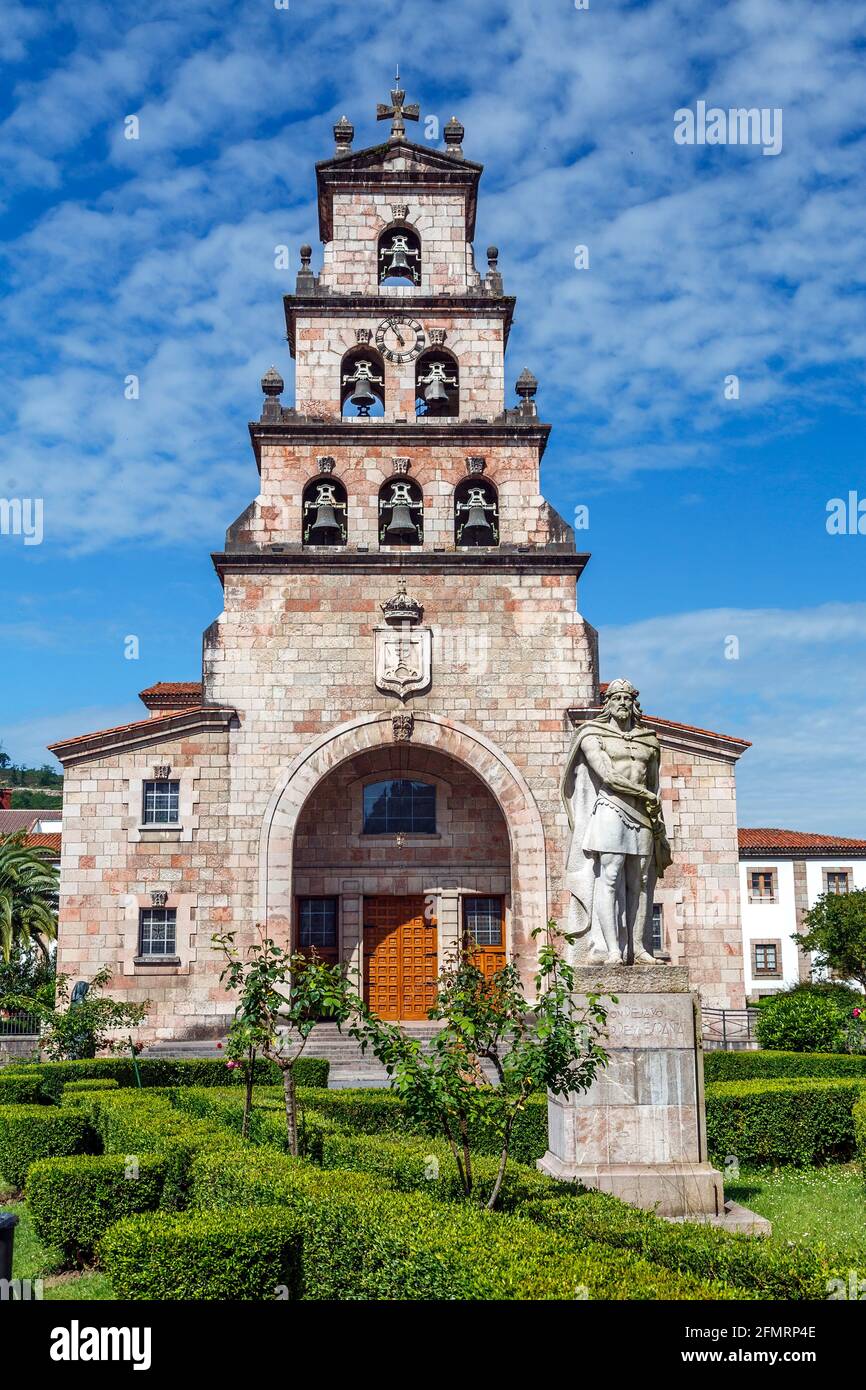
[[400, 581]]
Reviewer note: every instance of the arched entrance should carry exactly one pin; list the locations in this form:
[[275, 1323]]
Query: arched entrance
[[386, 852]]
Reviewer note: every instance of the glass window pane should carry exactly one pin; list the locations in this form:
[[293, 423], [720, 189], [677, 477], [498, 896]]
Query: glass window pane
[[317, 925], [658, 934], [482, 919], [158, 931], [161, 803], [400, 805]]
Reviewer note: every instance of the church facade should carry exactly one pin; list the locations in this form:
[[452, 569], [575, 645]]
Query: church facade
[[371, 763]]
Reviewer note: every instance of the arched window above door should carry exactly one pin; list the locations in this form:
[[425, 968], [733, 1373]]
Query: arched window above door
[[403, 805]]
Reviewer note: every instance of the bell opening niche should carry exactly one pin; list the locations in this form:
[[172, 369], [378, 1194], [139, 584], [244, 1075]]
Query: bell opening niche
[[362, 384], [476, 513], [399, 256], [401, 512], [437, 384], [325, 512]]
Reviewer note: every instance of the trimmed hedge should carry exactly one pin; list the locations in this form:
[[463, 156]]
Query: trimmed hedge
[[860, 1134], [171, 1071], [225, 1255], [794, 1121], [19, 1088], [73, 1201], [748, 1066], [362, 1243], [29, 1132], [98, 1083], [140, 1122], [769, 1270]]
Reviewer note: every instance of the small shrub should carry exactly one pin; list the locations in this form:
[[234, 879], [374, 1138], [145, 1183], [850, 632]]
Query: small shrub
[[226, 1255], [171, 1071], [96, 1083], [860, 1134], [29, 1132], [807, 1018], [73, 1201], [748, 1066], [790, 1121]]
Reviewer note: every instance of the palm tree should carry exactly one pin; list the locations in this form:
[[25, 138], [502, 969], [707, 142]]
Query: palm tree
[[28, 897]]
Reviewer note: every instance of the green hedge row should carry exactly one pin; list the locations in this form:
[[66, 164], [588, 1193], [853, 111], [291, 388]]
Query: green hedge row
[[21, 1088], [860, 1134], [29, 1132], [359, 1242], [769, 1270], [97, 1083], [169, 1071], [749, 1066], [797, 1121], [74, 1201]]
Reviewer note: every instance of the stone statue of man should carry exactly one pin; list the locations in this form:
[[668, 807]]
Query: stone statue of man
[[618, 842]]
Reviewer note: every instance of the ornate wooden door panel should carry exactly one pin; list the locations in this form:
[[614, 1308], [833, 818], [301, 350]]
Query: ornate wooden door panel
[[400, 961]]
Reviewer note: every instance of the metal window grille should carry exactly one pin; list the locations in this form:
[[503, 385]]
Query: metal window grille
[[400, 805], [317, 924], [161, 803], [658, 928], [158, 931]]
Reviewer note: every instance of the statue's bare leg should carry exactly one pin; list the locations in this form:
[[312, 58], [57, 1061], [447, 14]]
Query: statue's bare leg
[[636, 868], [604, 904]]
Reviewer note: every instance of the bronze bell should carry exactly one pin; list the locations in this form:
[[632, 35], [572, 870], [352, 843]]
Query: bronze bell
[[477, 529], [399, 261], [435, 392], [326, 528], [363, 396], [401, 527]]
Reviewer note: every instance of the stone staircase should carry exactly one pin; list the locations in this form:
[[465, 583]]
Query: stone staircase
[[349, 1066]]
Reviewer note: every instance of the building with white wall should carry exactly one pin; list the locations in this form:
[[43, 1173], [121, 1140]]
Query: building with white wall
[[782, 874]]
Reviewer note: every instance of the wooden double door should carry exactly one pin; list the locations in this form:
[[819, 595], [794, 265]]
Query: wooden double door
[[400, 957]]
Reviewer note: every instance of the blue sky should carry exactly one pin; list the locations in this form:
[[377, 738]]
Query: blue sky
[[156, 257]]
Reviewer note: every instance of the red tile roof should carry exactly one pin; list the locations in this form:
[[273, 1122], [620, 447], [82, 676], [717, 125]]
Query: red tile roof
[[12, 821], [785, 842], [172, 695], [46, 840], [147, 726]]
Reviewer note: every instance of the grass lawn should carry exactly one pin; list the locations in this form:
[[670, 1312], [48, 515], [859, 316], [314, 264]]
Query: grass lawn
[[33, 1260], [826, 1204]]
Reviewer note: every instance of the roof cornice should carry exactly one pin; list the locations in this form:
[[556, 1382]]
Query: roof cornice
[[368, 168], [322, 560], [360, 305], [143, 732], [474, 434]]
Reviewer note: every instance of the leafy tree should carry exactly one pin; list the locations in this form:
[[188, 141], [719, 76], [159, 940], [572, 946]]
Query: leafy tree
[[807, 1018], [28, 896], [73, 1031], [282, 998], [28, 973], [836, 933], [548, 1044]]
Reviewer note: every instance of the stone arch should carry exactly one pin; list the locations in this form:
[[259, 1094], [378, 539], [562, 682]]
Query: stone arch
[[467, 746]]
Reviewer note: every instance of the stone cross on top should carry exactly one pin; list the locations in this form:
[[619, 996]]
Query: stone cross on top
[[398, 112]]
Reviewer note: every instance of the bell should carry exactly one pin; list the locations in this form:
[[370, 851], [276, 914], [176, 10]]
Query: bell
[[362, 396], [325, 530], [401, 527], [399, 261], [477, 530], [435, 392]]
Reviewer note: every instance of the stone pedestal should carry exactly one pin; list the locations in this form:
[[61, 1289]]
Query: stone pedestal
[[640, 1131]]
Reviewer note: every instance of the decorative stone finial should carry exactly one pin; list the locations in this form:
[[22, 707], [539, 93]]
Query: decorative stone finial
[[401, 608], [306, 280], [398, 113], [526, 387], [344, 134], [493, 278], [272, 382], [454, 133]]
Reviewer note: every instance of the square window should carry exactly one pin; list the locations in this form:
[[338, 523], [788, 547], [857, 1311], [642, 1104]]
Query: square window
[[161, 803], [765, 957], [482, 920], [157, 934], [762, 885], [836, 880], [317, 923]]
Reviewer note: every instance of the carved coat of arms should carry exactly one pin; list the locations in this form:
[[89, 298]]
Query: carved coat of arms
[[403, 651]]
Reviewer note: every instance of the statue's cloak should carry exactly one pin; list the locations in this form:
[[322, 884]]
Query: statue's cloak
[[579, 789]]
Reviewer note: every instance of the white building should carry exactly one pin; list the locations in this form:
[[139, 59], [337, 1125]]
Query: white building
[[782, 873]]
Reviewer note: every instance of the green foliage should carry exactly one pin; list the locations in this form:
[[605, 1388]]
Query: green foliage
[[547, 1044], [793, 1121], [29, 973], [85, 1028], [21, 1088], [28, 894], [748, 1066], [836, 933], [771, 1271], [860, 1134], [807, 1018], [97, 1083], [166, 1071], [225, 1255], [362, 1243], [282, 996], [20, 775], [28, 1132], [73, 1201]]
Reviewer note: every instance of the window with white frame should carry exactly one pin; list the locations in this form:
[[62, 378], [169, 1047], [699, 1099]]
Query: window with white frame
[[161, 803]]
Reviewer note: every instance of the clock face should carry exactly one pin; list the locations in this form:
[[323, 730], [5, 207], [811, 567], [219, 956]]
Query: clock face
[[400, 339]]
